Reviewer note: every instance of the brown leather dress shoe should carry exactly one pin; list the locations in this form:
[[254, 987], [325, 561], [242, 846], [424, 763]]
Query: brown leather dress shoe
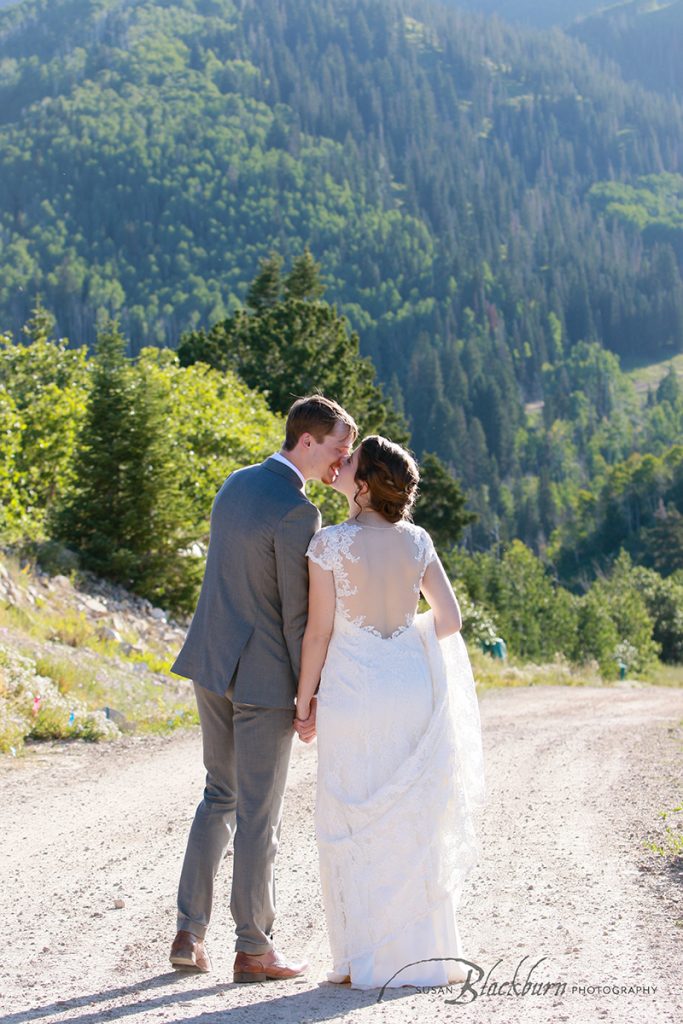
[[270, 966], [188, 953]]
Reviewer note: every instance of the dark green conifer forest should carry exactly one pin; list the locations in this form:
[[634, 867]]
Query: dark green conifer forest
[[482, 220]]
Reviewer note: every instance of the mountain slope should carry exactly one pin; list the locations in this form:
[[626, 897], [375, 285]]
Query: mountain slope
[[539, 13], [439, 165], [644, 38]]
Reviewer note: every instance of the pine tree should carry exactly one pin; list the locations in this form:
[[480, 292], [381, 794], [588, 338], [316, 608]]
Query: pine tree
[[92, 516], [303, 280], [547, 508], [669, 388], [440, 508], [41, 323], [664, 540], [266, 287], [126, 515], [292, 347]]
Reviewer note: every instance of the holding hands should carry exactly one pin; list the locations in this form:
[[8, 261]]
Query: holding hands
[[304, 720]]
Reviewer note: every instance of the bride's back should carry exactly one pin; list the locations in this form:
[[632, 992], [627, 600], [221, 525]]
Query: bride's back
[[377, 571]]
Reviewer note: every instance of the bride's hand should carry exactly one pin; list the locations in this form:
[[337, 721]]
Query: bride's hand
[[304, 722]]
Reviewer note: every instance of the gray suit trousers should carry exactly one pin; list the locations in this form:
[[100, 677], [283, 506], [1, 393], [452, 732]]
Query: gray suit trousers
[[246, 756]]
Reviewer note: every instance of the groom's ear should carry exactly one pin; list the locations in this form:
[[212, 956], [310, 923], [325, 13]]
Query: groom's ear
[[304, 441]]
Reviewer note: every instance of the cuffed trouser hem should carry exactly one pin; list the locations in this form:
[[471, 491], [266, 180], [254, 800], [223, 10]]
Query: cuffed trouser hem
[[184, 925], [250, 947]]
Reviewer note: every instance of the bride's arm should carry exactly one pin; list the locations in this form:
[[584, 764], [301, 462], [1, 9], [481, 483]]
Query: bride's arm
[[321, 600], [438, 591]]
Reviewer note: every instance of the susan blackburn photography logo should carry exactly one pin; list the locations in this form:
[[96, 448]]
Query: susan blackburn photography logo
[[524, 982]]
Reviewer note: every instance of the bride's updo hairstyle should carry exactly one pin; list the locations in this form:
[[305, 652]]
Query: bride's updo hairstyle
[[392, 477]]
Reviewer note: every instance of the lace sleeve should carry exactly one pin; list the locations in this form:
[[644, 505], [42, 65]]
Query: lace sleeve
[[321, 550], [430, 551], [427, 551]]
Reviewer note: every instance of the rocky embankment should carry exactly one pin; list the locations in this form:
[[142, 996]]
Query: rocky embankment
[[83, 658]]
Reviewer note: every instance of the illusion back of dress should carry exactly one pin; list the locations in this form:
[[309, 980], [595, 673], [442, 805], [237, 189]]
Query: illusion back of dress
[[377, 572]]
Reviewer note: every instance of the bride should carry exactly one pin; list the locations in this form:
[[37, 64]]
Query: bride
[[400, 771]]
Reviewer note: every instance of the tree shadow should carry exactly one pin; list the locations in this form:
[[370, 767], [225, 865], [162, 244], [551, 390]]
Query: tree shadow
[[324, 1002], [674, 870], [64, 1005]]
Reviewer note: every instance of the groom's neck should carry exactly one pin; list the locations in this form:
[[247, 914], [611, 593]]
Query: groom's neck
[[295, 458]]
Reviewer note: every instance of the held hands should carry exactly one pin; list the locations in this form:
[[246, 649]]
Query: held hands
[[305, 726]]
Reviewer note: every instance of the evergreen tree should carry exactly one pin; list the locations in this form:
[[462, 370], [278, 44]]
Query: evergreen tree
[[669, 388], [99, 502], [440, 508], [41, 323], [663, 541], [547, 508], [293, 347], [264, 291], [126, 515], [303, 280]]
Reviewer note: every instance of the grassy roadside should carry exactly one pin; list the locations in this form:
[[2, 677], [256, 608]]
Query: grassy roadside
[[669, 843], [490, 673], [67, 673], [50, 695]]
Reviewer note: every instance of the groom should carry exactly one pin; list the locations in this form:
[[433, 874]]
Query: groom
[[242, 652]]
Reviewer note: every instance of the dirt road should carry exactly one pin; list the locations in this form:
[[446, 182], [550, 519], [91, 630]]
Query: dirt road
[[576, 780]]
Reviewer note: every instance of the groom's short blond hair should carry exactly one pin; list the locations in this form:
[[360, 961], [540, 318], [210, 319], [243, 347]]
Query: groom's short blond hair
[[318, 416]]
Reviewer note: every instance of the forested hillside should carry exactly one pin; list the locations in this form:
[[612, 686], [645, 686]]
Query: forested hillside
[[644, 38], [492, 210], [540, 13]]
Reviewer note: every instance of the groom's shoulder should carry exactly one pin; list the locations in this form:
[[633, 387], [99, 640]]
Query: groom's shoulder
[[243, 473], [240, 479], [260, 490], [255, 476]]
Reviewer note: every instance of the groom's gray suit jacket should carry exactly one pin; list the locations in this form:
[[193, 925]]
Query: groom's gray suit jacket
[[253, 604]]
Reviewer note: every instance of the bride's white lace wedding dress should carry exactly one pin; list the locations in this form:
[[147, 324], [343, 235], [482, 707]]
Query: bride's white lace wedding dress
[[400, 770]]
